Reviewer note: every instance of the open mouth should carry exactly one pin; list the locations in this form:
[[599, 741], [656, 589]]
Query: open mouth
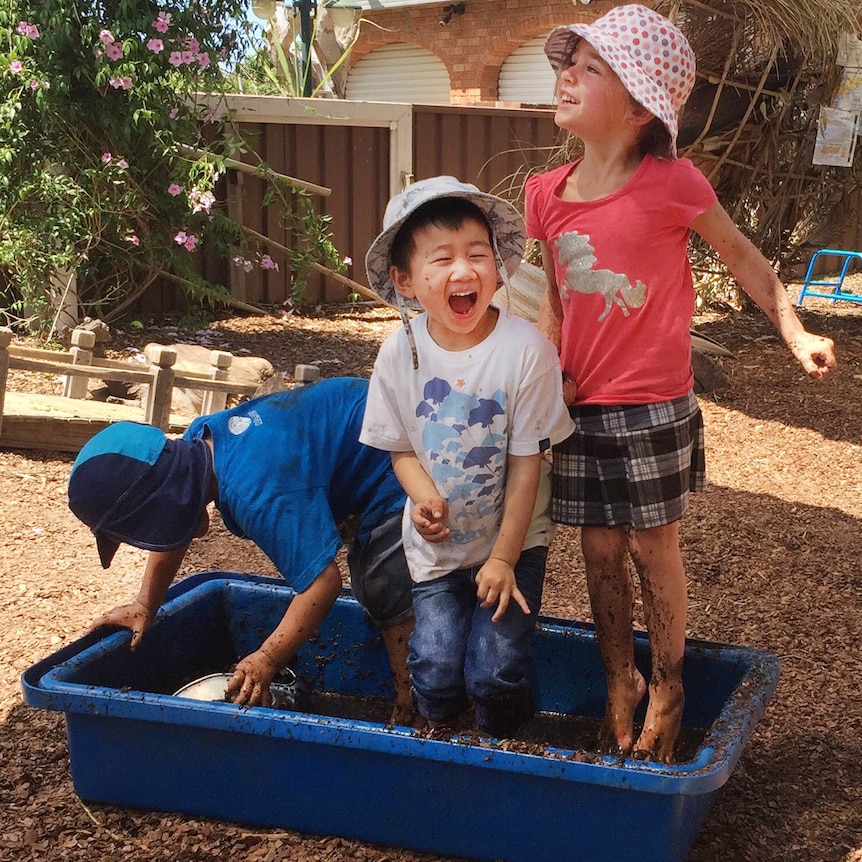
[[462, 303]]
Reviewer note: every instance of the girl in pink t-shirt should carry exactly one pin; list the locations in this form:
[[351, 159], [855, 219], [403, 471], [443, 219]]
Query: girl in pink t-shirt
[[614, 228]]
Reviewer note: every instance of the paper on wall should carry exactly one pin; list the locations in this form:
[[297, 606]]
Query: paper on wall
[[848, 96], [836, 137], [849, 50]]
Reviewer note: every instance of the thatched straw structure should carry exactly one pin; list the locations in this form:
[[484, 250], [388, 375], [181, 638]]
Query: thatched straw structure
[[764, 69]]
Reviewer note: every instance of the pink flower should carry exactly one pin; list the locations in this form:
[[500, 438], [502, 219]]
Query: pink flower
[[31, 31], [201, 201], [34, 84], [175, 59], [204, 59], [114, 50], [106, 157], [174, 113], [116, 82], [181, 237], [190, 243], [16, 67], [122, 164], [187, 57], [156, 45], [266, 262], [193, 45], [174, 189], [162, 22], [133, 239], [106, 37]]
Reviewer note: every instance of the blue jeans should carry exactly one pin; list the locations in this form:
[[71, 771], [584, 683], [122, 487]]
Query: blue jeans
[[458, 656]]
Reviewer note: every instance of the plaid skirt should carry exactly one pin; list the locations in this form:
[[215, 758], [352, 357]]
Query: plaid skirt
[[630, 465]]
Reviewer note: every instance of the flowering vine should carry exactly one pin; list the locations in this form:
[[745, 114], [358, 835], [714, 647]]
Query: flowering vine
[[111, 160]]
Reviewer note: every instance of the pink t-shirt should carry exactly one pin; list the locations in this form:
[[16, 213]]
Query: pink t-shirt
[[625, 282]]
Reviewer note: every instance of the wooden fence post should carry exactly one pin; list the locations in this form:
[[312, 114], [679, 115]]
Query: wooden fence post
[[158, 411], [220, 361], [5, 341], [83, 341]]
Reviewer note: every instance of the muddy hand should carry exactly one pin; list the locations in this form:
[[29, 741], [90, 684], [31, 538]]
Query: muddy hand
[[815, 353], [135, 617], [251, 680]]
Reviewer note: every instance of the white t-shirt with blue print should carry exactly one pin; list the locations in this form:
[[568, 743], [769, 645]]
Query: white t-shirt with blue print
[[463, 412]]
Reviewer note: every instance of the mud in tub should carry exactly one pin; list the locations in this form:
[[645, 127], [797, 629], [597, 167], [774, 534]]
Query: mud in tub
[[132, 742]]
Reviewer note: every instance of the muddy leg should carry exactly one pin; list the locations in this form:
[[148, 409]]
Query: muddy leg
[[657, 557], [396, 640], [610, 587]]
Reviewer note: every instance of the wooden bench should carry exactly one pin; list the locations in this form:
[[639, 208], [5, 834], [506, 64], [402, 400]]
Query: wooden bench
[[65, 422]]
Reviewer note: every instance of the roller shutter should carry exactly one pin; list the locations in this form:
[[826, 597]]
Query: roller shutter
[[399, 73], [526, 76]]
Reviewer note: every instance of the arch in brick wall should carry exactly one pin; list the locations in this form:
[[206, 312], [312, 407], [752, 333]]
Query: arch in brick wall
[[399, 71], [380, 39], [499, 50]]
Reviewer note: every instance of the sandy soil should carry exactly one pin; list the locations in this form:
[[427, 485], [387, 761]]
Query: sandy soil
[[772, 552]]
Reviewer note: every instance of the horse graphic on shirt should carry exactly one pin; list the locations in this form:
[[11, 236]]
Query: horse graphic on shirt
[[578, 256]]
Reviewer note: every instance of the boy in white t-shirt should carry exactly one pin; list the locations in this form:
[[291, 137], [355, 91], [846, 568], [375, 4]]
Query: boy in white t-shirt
[[467, 399]]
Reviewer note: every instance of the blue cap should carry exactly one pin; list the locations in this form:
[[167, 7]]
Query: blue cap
[[132, 484]]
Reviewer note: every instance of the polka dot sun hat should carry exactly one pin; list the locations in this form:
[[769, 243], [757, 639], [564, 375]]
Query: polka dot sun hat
[[648, 53]]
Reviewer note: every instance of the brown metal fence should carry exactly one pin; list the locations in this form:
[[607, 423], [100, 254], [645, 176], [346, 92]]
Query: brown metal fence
[[491, 147]]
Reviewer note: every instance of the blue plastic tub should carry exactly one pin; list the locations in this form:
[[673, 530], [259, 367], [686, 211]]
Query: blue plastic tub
[[133, 743]]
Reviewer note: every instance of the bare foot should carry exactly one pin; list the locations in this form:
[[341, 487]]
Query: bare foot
[[624, 695], [662, 723]]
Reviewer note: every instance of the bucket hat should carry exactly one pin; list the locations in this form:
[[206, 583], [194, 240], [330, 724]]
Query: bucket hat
[[132, 484], [507, 230], [648, 53]]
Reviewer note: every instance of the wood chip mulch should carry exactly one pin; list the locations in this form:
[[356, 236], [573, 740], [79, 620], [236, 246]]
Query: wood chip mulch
[[774, 560]]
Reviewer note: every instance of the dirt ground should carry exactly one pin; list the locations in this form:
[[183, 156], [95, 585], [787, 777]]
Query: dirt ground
[[773, 559]]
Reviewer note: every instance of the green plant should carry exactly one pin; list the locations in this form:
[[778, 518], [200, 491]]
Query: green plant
[[113, 138], [271, 70]]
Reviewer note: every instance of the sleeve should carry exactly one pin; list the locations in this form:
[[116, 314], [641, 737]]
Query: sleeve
[[383, 424], [532, 208], [540, 417], [287, 541], [690, 191]]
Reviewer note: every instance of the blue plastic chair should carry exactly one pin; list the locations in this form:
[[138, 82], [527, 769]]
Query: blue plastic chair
[[836, 283]]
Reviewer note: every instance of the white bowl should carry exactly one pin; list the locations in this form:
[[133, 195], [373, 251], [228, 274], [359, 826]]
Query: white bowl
[[211, 687]]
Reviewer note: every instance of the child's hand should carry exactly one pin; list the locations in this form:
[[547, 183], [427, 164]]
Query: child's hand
[[570, 391], [251, 680], [816, 353], [136, 617], [429, 518], [496, 583]]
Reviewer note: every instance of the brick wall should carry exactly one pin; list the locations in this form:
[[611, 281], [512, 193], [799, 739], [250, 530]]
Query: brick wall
[[474, 45]]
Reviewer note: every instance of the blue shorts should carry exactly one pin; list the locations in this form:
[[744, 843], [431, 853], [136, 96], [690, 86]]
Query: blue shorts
[[379, 576]]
